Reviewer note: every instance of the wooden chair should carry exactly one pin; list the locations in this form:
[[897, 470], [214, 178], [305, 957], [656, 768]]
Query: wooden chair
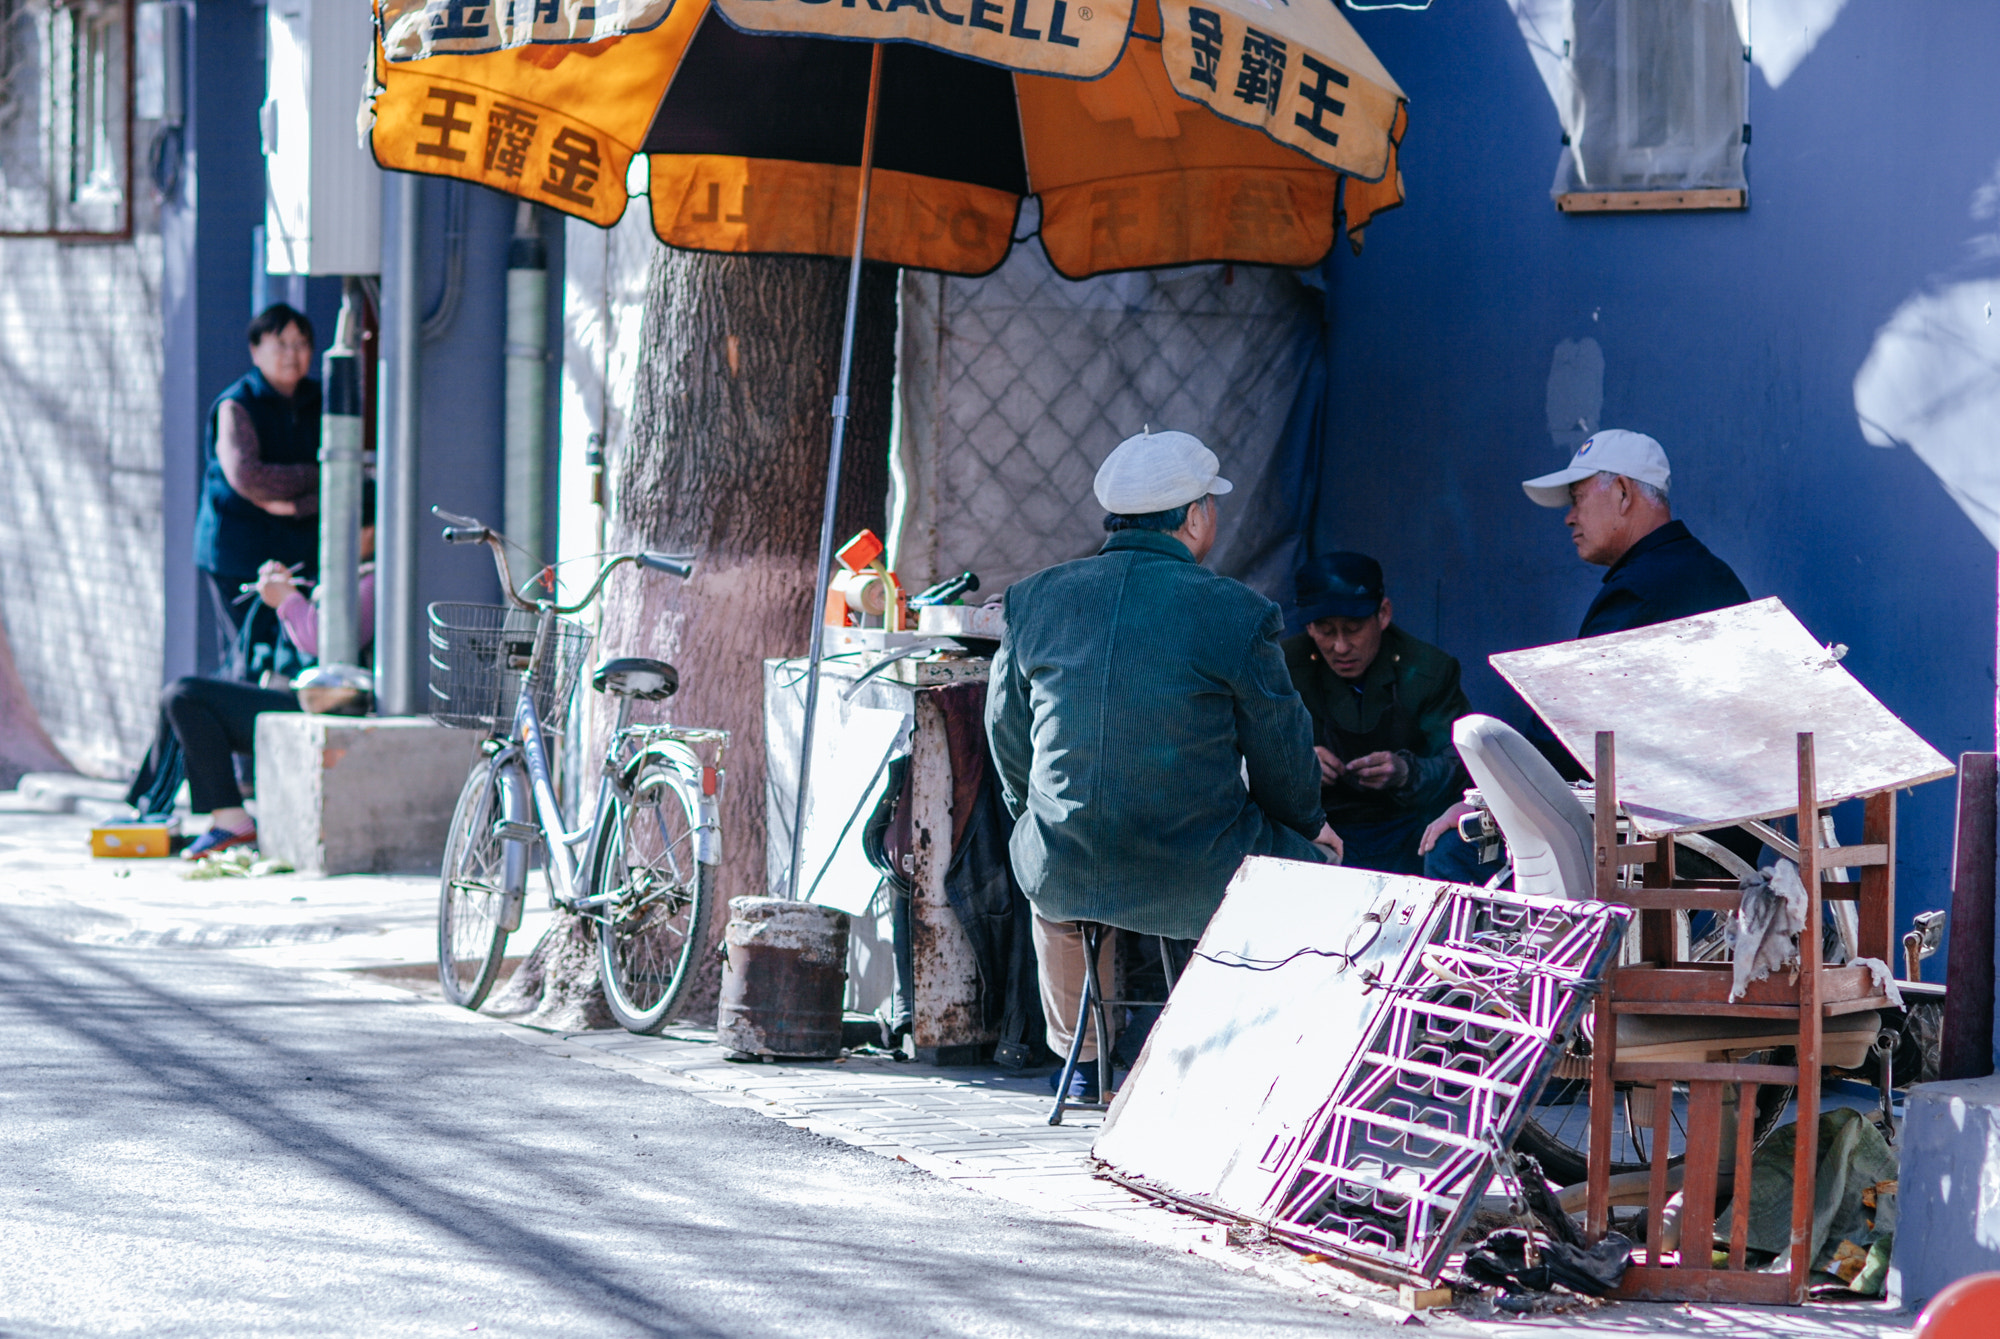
[[1660, 987]]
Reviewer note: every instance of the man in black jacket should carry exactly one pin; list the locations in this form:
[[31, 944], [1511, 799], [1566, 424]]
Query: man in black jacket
[[1382, 705], [1615, 490]]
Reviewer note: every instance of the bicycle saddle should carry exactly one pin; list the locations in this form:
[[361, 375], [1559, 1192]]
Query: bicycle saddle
[[636, 676]]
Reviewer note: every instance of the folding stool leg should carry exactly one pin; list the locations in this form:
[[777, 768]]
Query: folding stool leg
[[1083, 1013], [1093, 944]]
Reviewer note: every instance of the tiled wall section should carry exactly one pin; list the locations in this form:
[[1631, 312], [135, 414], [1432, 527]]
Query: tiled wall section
[[80, 544]]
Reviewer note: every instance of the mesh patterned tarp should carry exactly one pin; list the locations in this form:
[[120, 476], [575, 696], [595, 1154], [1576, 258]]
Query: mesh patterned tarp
[[1015, 387]]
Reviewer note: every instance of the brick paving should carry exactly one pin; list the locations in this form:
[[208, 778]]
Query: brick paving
[[986, 1130]]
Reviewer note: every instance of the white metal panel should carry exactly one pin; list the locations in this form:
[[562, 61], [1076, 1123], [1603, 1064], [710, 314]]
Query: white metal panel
[[1708, 710], [1347, 1049], [1242, 1060]]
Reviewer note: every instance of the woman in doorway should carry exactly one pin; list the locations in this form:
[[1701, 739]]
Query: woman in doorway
[[260, 491]]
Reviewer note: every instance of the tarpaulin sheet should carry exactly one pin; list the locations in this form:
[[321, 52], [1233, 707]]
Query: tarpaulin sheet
[[1015, 387]]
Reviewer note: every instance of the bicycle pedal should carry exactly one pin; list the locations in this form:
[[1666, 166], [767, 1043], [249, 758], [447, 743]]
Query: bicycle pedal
[[509, 830]]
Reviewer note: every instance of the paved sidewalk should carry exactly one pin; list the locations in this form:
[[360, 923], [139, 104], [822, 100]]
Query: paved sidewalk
[[290, 920], [987, 1130], [983, 1128]]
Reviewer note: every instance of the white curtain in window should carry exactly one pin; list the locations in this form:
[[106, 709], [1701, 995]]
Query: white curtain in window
[[1653, 94]]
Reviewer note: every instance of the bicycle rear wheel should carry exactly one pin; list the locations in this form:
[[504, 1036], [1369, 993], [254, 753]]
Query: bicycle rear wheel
[[655, 897], [480, 886]]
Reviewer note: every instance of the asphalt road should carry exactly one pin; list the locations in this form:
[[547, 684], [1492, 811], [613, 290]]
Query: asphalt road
[[193, 1145]]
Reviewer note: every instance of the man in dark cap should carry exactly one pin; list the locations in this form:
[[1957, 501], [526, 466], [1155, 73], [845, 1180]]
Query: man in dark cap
[[1382, 703]]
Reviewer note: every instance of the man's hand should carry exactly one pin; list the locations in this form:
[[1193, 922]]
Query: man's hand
[[1442, 824], [275, 584], [1331, 841], [1331, 768], [1380, 771]]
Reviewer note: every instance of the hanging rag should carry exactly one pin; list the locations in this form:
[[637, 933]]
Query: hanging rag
[[1763, 935]]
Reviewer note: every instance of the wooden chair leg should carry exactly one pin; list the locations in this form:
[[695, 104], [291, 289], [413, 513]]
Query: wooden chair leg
[[1704, 1138], [1806, 1136], [1746, 1153], [1661, 1152], [1878, 882], [1605, 780], [1603, 1047]]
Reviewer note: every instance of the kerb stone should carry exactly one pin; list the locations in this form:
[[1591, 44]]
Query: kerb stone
[[1948, 1188], [358, 795]]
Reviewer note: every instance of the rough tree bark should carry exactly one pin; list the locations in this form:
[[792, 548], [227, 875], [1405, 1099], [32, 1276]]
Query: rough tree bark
[[727, 459]]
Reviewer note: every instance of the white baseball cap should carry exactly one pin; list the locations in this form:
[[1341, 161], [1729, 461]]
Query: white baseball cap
[[1157, 471], [1610, 451]]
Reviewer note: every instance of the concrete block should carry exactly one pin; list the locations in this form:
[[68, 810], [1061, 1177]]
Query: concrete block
[[1948, 1189], [357, 794]]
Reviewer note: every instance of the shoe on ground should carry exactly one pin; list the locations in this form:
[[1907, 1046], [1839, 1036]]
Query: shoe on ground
[[218, 839], [1082, 1084]]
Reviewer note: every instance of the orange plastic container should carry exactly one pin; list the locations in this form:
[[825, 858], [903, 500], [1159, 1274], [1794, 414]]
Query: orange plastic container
[[133, 840]]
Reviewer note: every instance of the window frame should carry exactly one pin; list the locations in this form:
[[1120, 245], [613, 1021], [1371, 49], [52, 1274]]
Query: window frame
[[71, 196], [1578, 198]]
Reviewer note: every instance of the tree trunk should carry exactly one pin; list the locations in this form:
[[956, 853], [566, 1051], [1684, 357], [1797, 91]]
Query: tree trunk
[[726, 459]]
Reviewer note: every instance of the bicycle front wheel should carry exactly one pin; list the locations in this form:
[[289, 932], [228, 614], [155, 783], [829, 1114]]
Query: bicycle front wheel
[[655, 897], [482, 875]]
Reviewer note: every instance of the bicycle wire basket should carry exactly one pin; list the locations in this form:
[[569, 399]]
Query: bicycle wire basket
[[478, 653]]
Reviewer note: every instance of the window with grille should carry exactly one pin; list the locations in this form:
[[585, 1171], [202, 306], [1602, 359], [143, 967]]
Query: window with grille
[[65, 117]]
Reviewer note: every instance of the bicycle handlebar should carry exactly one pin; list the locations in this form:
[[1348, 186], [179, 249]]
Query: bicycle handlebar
[[680, 564], [466, 530]]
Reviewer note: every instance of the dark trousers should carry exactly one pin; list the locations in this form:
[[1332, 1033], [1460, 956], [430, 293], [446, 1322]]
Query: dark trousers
[[1388, 846], [215, 719], [1455, 860]]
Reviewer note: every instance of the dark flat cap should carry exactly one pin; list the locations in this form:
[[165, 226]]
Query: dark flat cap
[[1338, 585]]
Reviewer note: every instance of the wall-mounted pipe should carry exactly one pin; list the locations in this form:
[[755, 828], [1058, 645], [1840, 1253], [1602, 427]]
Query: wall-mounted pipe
[[399, 655], [527, 395], [340, 473]]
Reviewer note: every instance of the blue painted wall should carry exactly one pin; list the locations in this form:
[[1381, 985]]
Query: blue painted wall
[[462, 377], [205, 290], [1732, 337], [461, 465]]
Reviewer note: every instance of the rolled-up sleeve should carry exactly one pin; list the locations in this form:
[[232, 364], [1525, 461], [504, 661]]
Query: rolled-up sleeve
[[1009, 726], [1275, 733]]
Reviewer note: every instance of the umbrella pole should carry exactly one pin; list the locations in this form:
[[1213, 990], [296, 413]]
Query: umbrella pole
[[818, 635]]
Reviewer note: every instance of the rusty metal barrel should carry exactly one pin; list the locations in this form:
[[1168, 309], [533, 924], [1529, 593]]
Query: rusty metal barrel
[[784, 977]]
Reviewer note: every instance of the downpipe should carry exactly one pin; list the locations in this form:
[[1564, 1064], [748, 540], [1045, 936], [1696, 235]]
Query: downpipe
[[340, 476], [526, 395]]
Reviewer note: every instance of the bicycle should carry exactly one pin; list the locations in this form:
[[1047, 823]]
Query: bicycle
[[644, 877]]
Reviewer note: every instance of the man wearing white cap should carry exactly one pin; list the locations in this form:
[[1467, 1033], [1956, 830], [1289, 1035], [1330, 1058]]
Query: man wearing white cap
[[1615, 490], [1144, 726]]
